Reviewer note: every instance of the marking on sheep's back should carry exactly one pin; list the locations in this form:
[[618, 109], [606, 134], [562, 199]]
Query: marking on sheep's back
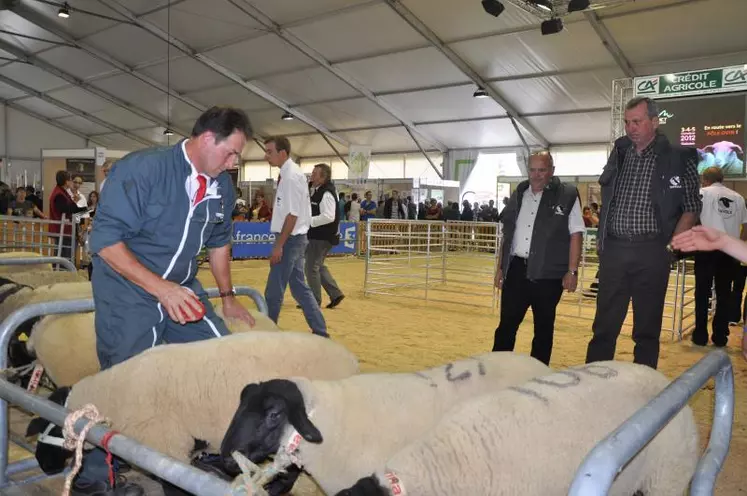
[[602, 371], [575, 380], [423, 376], [461, 377], [529, 392]]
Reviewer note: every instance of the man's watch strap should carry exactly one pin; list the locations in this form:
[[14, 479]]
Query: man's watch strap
[[573, 272], [231, 292]]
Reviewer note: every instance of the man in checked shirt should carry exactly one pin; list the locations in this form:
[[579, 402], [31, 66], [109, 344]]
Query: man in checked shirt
[[650, 192]]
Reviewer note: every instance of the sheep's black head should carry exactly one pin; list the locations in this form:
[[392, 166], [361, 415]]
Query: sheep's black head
[[367, 486], [265, 409], [52, 458]]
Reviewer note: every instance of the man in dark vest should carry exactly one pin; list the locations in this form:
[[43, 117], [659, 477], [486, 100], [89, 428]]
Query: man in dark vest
[[650, 191], [542, 238], [323, 235]]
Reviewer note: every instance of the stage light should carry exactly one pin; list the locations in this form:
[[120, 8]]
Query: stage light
[[577, 5], [64, 11], [287, 116], [552, 26], [545, 5], [493, 7], [480, 93]]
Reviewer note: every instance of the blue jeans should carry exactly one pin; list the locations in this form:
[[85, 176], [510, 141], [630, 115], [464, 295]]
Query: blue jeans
[[290, 270]]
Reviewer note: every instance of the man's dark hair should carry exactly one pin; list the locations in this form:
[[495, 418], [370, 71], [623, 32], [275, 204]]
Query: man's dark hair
[[222, 121], [61, 177], [281, 143], [652, 108]]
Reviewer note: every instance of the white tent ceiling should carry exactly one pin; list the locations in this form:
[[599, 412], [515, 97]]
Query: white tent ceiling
[[358, 71]]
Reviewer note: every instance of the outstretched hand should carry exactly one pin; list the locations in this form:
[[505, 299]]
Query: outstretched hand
[[700, 238], [232, 309]]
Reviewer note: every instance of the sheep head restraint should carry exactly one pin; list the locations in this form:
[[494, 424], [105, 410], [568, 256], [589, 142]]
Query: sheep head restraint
[[259, 426]]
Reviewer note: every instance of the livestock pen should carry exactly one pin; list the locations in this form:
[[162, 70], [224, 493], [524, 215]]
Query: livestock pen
[[173, 471]]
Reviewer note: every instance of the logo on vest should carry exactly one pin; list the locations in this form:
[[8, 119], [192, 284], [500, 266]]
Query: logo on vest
[[675, 182], [559, 210], [724, 206]]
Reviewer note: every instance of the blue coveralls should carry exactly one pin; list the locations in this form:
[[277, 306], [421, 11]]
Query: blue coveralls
[[147, 206]]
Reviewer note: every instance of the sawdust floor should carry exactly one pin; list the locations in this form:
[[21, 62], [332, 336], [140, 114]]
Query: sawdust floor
[[395, 333]]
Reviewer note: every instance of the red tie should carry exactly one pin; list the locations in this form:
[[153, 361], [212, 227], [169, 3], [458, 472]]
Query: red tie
[[201, 189]]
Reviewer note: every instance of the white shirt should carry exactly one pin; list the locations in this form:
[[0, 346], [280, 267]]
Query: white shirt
[[723, 209], [192, 184], [522, 240], [355, 212], [327, 210], [291, 197]]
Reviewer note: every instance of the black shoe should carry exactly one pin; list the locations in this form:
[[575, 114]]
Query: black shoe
[[101, 488], [699, 341], [336, 301]]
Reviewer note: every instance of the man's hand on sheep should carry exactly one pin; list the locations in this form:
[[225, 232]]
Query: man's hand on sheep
[[232, 309], [180, 303]]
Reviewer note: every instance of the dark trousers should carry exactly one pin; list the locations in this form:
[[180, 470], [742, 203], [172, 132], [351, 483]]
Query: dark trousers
[[517, 295], [709, 267], [736, 312], [637, 270]]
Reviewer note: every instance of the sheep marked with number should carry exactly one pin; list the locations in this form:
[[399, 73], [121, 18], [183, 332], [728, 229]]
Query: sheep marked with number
[[531, 440], [341, 430], [176, 397]]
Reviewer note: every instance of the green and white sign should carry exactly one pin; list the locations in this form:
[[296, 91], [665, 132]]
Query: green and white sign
[[723, 80]]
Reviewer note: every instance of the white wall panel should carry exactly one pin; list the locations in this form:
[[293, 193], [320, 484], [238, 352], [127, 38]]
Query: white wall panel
[[575, 128], [307, 86], [285, 11], [445, 103], [230, 94], [263, 55], [346, 114], [487, 133]]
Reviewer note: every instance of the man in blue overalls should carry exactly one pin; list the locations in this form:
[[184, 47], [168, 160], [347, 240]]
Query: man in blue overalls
[[161, 207]]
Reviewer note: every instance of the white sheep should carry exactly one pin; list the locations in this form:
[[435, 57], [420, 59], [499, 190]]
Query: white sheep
[[531, 440], [9, 269], [44, 293], [363, 419], [65, 344], [174, 398]]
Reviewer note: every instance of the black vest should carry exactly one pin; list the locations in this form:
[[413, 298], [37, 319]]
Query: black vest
[[551, 241], [667, 200], [327, 232]]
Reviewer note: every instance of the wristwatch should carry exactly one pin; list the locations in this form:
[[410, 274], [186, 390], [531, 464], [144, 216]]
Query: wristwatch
[[232, 292], [573, 272]]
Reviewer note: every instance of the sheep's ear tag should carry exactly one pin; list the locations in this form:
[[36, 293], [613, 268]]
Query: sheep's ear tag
[[295, 438], [395, 484]]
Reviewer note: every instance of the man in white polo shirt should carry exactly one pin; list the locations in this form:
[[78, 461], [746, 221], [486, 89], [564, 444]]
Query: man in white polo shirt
[[723, 209], [291, 219]]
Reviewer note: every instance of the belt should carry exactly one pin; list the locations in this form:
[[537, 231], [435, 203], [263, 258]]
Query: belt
[[635, 238], [517, 258]]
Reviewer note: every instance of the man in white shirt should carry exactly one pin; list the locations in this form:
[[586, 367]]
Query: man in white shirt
[[323, 235], [542, 237], [723, 209], [291, 220]]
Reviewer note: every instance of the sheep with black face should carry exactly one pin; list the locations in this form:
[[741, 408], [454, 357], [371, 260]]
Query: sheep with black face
[[175, 397], [341, 430]]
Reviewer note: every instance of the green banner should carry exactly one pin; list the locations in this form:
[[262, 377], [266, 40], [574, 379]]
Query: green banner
[[723, 80]]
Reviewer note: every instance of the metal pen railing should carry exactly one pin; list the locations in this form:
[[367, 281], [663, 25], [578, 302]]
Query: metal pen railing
[[600, 467], [175, 472], [65, 263]]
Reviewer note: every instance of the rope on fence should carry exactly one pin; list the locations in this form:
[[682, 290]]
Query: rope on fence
[[74, 441]]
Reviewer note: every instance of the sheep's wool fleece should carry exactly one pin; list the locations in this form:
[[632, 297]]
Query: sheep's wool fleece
[[9, 269], [170, 395], [65, 344], [366, 418], [531, 440], [44, 293]]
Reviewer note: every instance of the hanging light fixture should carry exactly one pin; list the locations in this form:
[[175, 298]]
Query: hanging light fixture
[[545, 5], [64, 11], [168, 132], [287, 116], [480, 93]]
